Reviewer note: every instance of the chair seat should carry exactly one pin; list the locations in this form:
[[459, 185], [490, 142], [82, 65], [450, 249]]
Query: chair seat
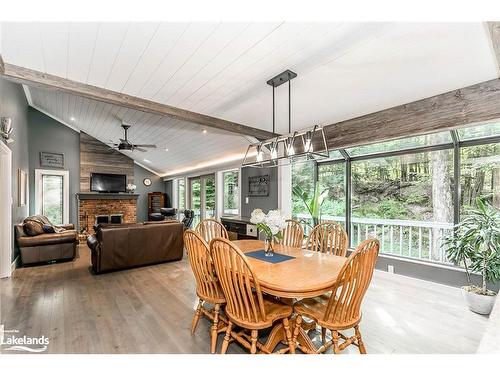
[[275, 310], [218, 299], [315, 309]]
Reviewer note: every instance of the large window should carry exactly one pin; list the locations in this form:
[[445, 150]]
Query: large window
[[52, 195], [230, 193], [303, 175], [405, 201], [479, 175], [331, 178], [408, 192]]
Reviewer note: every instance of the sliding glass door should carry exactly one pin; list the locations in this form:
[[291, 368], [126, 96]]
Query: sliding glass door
[[202, 197]]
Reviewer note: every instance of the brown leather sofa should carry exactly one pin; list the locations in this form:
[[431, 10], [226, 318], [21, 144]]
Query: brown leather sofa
[[116, 247], [46, 247]]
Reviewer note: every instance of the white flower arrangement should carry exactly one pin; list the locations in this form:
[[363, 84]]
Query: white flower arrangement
[[131, 187], [271, 223]]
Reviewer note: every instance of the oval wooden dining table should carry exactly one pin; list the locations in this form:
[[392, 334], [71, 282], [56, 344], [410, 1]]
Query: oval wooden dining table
[[309, 274]]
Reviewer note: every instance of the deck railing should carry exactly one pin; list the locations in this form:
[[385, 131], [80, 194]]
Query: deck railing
[[407, 238]]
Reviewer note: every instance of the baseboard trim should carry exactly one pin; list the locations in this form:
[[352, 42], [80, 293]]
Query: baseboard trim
[[13, 266]]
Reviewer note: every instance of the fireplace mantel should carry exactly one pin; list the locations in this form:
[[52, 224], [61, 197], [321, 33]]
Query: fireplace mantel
[[99, 196]]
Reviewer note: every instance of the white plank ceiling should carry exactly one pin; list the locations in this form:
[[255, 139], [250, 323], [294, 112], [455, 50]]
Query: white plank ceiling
[[344, 70]]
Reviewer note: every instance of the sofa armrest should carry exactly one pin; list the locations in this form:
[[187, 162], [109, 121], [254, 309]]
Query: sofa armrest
[[68, 226], [92, 243]]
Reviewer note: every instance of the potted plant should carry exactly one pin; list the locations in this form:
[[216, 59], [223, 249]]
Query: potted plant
[[313, 203], [475, 245], [271, 224]]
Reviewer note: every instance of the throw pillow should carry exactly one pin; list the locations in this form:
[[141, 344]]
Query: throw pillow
[[47, 228]]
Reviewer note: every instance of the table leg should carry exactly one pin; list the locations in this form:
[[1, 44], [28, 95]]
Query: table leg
[[278, 335]]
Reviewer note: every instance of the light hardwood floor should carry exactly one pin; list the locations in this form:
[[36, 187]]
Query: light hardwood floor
[[149, 310]]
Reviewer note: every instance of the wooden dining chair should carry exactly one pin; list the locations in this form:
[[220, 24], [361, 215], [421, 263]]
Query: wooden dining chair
[[293, 234], [328, 237], [246, 307], [211, 228], [208, 288], [341, 309]]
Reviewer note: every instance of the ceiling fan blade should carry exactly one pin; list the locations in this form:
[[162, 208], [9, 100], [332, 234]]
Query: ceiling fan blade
[[147, 146], [123, 140], [139, 149]]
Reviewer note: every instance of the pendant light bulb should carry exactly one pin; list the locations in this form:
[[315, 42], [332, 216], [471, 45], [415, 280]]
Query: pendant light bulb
[[290, 149], [274, 151], [308, 147], [260, 154]]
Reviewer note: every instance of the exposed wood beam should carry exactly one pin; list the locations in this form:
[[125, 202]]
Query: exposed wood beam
[[494, 30], [454, 109], [2, 65], [38, 79]]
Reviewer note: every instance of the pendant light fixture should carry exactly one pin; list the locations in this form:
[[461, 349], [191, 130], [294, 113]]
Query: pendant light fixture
[[269, 151]]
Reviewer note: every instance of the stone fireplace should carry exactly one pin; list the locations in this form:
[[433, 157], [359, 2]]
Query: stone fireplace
[[102, 208]]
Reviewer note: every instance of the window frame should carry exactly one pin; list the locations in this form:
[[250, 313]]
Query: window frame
[[39, 173]]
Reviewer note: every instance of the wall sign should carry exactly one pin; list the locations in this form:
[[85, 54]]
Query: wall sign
[[51, 159], [258, 186]]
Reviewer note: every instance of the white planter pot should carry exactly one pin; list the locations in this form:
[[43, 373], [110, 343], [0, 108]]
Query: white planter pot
[[478, 303]]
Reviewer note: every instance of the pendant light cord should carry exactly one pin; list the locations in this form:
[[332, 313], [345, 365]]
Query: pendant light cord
[[289, 107], [273, 110]]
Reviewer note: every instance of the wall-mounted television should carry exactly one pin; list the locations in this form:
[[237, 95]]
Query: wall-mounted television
[[108, 182]]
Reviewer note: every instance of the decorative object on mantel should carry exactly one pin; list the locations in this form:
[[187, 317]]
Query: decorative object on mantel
[[131, 188], [52, 159], [22, 188], [258, 186], [475, 244], [6, 129], [271, 224], [268, 152], [147, 182]]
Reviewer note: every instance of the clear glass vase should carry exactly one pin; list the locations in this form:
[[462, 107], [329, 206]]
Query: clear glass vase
[[268, 246]]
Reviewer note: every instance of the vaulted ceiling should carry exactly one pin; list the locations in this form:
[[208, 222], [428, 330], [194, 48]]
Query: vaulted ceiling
[[344, 70]]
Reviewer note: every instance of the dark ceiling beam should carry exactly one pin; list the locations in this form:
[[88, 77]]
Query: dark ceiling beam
[[38, 79], [451, 110], [494, 30]]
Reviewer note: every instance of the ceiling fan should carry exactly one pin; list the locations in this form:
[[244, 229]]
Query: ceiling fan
[[126, 145]]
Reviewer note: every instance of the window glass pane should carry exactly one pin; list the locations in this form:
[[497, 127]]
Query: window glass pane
[[230, 193], [481, 131], [332, 178], [404, 201], [196, 200], [209, 196], [181, 196], [402, 144], [302, 177], [479, 175], [336, 155], [52, 198]]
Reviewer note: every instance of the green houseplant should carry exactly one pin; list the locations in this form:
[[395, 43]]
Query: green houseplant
[[312, 202], [475, 245]]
